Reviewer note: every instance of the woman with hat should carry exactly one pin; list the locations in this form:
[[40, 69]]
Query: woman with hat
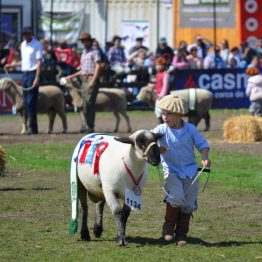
[[180, 167], [90, 64]]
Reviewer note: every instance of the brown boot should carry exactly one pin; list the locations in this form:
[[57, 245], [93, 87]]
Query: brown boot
[[170, 223], [182, 228]]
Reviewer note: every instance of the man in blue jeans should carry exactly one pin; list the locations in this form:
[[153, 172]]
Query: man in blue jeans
[[31, 56]]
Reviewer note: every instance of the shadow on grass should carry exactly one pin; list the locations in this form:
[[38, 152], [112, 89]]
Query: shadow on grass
[[6, 189], [146, 241], [198, 241], [191, 241]]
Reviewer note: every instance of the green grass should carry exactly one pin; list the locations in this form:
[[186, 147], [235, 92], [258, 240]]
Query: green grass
[[35, 211]]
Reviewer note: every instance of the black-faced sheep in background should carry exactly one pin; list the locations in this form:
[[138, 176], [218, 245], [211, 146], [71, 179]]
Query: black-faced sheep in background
[[203, 102]]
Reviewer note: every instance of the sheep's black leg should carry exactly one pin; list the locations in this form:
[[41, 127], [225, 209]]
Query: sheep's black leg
[[98, 226], [116, 210], [195, 119], [207, 121], [124, 215], [121, 238], [83, 200]]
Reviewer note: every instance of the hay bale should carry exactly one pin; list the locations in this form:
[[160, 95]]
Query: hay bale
[[243, 129], [2, 160]]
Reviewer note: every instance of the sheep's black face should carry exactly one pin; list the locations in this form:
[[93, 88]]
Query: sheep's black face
[[147, 144]]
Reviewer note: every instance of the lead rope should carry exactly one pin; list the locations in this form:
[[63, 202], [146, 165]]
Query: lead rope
[[203, 169]]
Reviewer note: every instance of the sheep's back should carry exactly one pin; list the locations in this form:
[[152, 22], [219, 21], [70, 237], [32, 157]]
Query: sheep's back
[[202, 95], [111, 99]]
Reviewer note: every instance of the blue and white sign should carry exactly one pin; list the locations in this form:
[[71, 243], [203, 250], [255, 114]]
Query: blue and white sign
[[227, 85]]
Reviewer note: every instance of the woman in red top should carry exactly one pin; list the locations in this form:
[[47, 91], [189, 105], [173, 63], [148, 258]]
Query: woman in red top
[[162, 84]]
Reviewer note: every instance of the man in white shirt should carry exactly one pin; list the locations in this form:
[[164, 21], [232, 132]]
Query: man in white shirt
[[31, 56]]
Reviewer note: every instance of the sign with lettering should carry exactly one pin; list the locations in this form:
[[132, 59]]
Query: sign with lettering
[[227, 85]]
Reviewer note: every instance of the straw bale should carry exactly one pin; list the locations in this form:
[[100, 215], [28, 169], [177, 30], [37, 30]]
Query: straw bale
[[2, 160], [243, 128]]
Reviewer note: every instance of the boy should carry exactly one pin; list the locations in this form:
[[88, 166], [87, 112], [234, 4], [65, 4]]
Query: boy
[[179, 166]]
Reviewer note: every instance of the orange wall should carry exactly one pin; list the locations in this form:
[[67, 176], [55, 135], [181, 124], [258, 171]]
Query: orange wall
[[188, 34]]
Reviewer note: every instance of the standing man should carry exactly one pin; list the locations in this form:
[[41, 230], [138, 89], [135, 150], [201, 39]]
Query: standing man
[[31, 56], [90, 65]]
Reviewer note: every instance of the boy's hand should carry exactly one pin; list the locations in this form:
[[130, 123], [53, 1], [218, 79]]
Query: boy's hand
[[206, 162], [163, 149]]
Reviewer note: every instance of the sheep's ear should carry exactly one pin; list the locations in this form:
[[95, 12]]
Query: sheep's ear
[[157, 135], [126, 140]]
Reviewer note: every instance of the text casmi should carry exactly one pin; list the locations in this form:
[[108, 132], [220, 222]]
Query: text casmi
[[228, 81]]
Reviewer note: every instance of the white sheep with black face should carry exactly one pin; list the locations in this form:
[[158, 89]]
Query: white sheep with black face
[[122, 166]]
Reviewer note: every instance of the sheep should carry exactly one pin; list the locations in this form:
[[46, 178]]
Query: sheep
[[50, 101], [122, 166], [108, 100], [202, 105]]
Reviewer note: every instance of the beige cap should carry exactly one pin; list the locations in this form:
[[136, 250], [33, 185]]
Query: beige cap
[[173, 104]]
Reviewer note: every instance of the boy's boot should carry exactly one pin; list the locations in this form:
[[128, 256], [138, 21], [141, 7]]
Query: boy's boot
[[170, 222], [182, 228]]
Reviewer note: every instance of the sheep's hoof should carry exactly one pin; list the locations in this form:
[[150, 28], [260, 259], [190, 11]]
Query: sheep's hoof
[[85, 235], [122, 241], [82, 130], [115, 130], [206, 129], [64, 131], [129, 130], [49, 132], [98, 230]]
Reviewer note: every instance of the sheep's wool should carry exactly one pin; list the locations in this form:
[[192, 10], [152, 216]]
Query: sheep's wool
[[173, 104]]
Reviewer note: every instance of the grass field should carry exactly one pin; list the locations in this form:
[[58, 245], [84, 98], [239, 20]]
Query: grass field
[[35, 212]]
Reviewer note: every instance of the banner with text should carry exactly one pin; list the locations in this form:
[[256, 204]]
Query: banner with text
[[66, 26], [227, 85], [200, 13]]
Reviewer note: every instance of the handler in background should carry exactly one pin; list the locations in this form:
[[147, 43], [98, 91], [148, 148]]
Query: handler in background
[[180, 167], [31, 56], [90, 65]]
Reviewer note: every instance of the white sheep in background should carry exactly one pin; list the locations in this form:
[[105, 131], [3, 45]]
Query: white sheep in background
[[122, 166], [108, 100], [50, 101], [203, 103]]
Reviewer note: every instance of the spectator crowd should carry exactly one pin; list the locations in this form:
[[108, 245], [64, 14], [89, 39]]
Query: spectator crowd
[[138, 64], [139, 60]]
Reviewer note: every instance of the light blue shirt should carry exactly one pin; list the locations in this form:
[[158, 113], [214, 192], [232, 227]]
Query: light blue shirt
[[180, 157]]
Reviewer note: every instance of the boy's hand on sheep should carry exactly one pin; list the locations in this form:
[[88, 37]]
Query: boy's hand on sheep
[[163, 149]]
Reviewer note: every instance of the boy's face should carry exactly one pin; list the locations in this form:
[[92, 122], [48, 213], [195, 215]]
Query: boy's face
[[171, 119]]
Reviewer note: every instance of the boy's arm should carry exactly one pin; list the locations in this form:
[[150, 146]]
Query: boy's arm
[[204, 154]]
